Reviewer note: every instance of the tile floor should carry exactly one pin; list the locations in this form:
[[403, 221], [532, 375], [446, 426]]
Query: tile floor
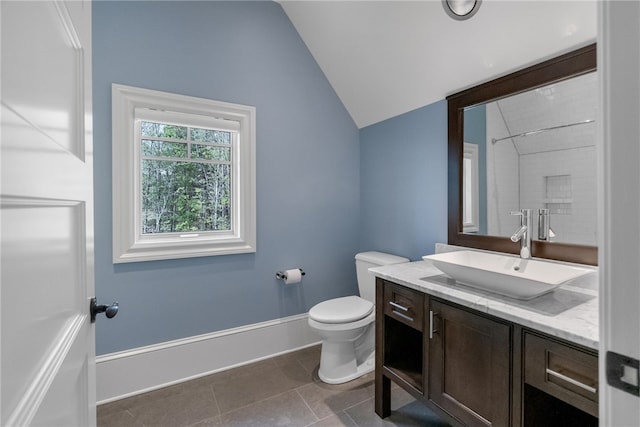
[[281, 391]]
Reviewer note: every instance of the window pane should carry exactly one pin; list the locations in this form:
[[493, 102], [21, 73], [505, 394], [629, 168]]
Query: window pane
[[163, 148], [161, 130], [208, 135], [208, 152], [185, 197]]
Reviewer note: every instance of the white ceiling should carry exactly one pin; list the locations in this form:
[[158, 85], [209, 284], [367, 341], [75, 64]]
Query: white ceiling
[[384, 58]]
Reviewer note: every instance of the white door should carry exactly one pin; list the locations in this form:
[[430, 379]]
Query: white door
[[619, 243], [47, 347]]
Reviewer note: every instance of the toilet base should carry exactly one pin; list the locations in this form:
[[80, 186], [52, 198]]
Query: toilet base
[[341, 361], [350, 373]]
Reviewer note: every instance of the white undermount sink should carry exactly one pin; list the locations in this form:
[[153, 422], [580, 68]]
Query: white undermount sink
[[504, 275]]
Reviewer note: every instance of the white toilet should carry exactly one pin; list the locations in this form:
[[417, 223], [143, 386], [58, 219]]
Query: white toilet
[[347, 327]]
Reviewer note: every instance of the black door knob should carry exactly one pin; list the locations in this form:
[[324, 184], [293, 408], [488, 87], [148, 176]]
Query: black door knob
[[108, 310]]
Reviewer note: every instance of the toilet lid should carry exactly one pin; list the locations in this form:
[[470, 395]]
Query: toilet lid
[[341, 310]]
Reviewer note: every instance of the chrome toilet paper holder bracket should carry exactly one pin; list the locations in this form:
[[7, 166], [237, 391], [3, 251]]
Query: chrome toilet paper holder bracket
[[281, 275]]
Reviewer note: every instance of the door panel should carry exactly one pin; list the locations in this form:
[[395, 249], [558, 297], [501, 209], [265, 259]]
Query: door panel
[[71, 380], [43, 289], [47, 348], [44, 38]]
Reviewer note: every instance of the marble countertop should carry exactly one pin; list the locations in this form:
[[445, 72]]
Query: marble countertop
[[570, 312]]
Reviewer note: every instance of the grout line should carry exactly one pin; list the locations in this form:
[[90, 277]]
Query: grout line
[[307, 405], [351, 418], [359, 403], [218, 418], [215, 400], [344, 410]]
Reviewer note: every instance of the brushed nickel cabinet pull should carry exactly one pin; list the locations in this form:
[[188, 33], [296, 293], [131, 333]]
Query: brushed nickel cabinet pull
[[432, 329], [398, 306], [571, 381]]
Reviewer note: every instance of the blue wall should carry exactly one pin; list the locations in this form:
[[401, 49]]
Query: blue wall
[[403, 176], [308, 182]]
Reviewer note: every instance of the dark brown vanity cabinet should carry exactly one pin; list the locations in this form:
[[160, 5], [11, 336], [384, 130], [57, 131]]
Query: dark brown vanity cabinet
[[469, 365], [477, 370]]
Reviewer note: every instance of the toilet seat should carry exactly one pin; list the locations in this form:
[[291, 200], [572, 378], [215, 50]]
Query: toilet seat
[[341, 310]]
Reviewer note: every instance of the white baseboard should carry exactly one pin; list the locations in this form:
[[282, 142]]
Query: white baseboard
[[139, 370]]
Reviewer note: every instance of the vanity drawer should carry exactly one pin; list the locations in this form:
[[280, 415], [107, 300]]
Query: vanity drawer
[[562, 371], [404, 305]]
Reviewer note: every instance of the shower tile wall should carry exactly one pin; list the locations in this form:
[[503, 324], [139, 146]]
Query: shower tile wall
[[503, 177], [529, 162], [577, 226]]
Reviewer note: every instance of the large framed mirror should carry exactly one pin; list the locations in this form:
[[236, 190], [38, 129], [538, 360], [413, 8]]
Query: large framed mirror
[[527, 141]]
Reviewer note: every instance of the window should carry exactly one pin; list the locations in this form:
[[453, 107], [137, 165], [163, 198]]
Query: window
[[183, 176], [470, 222]]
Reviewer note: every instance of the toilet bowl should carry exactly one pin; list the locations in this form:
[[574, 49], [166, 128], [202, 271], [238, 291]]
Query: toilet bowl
[[346, 325]]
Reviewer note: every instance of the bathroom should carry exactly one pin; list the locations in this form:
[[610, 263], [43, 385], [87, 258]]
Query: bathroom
[[311, 162], [329, 184]]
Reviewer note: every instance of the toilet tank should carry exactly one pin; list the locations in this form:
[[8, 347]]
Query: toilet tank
[[366, 280]]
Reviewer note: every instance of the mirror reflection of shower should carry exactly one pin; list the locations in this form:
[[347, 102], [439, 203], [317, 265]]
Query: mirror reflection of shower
[[541, 154]]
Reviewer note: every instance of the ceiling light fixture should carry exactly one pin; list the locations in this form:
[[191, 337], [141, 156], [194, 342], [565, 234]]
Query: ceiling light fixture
[[461, 9]]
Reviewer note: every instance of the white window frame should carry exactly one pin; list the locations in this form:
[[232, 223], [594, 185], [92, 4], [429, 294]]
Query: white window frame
[[131, 105], [472, 225]]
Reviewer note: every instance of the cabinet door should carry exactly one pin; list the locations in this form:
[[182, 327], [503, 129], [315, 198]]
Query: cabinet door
[[469, 365]]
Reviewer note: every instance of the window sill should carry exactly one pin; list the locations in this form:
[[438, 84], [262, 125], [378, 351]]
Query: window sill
[[163, 249]]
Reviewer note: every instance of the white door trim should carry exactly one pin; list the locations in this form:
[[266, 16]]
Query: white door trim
[[619, 205]]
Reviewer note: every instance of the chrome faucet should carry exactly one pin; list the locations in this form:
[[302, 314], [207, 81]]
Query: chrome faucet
[[524, 233]]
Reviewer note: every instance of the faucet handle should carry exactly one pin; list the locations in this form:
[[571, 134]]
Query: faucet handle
[[517, 213]]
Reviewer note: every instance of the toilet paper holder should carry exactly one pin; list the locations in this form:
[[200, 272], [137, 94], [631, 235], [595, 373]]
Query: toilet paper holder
[[281, 275]]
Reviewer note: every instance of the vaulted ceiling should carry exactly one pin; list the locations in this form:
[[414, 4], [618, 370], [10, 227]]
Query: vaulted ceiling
[[384, 58]]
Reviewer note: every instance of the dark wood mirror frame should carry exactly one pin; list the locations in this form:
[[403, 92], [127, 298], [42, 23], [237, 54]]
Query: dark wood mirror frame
[[569, 65]]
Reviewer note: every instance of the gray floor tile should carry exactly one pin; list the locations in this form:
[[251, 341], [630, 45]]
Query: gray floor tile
[[329, 399], [122, 418], [281, 391], [182, 409], [339, 420], [284, 410], [210, 422], [257, 383], [405, 412]]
